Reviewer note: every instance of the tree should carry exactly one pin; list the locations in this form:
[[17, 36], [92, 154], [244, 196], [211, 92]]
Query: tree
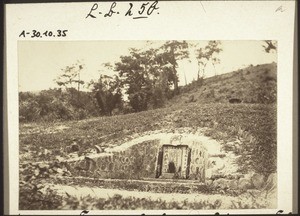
[[71, 76], [159, 74], [270, 45], [164, 80], [202, 59], [146, 76], [108, 93], [213, 49], [173, 51], [206, 55], [133, 71]]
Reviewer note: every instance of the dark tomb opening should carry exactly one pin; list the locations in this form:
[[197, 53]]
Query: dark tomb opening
[[173, 161], [171, 168]]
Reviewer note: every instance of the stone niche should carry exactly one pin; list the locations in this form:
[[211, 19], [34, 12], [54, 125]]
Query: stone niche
[[173, 161], [182, 162]]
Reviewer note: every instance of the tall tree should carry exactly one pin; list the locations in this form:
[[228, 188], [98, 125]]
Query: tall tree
[[134, 73], [108, 93], [146, 77], [71, 76], [208, 54], [173, 51]]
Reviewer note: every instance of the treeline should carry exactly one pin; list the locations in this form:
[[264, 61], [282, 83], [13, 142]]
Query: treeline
[[144, 79], [56, 104]]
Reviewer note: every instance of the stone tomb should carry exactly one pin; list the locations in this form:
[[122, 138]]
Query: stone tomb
[[167, 155]]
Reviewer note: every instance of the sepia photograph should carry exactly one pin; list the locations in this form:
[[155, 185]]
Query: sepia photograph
[[147, 124]]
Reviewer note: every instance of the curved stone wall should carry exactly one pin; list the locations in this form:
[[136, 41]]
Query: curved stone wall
[[145, 158]]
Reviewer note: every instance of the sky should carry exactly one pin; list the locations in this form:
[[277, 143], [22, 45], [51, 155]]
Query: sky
[[41, 62]]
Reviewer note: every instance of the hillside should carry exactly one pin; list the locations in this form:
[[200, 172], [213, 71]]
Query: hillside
[[246, 133], [223, 121], [253, 84]]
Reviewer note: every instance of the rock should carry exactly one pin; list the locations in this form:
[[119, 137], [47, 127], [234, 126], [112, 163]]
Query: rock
[[244, 184], [258, 180], [90, 164]]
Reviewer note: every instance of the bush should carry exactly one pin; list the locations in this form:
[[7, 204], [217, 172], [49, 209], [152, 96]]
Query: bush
[[118, 202], [38, 197]]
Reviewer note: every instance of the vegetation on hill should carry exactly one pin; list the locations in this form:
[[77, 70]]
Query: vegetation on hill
[[56, 104], [253, 84], [146, 77]]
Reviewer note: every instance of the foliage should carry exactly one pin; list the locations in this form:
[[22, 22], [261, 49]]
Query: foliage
[[173, 51], [145, 77], [148, 75], [269, 46], [55, 104], [118, 202], [208, 54], [70, 76], [149, 79], [108, 94], [32, 197], [33, 193]]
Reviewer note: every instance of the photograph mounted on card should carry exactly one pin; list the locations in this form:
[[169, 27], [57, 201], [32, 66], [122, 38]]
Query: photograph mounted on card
[[150, 107]]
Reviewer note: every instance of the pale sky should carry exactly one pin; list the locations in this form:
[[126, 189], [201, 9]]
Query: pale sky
[[40, 62]]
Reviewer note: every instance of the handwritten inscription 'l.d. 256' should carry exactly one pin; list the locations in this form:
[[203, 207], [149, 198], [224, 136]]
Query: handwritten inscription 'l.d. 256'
[[142, 10]]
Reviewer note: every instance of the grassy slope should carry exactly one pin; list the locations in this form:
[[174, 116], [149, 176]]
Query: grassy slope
[[254, 84], [255, 123], [224, 122]]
